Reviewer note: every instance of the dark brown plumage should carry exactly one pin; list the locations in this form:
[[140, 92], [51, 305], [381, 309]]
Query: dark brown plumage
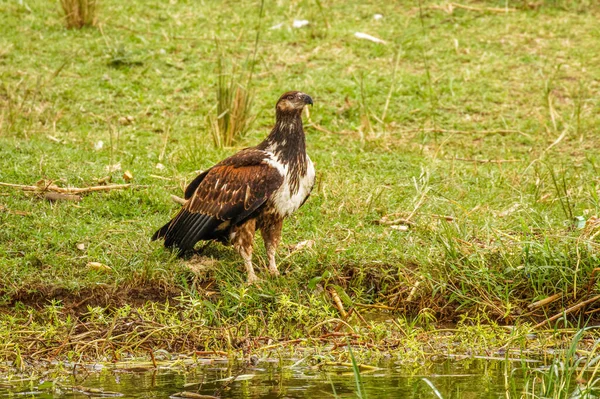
[[254, 189]]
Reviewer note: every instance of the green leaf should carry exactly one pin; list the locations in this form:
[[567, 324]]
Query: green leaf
[[342, 294], [313, 282]]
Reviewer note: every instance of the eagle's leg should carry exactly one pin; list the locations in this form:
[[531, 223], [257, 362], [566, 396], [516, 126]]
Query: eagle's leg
[[247, 255], [271, 233], [242, 238]]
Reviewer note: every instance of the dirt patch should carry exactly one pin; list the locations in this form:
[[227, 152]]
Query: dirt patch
[[77, 301]]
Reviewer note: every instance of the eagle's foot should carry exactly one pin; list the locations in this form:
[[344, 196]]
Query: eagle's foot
[[273, 270], [252, 279]]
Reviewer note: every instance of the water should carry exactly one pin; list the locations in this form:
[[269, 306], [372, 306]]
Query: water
[[272, 379]]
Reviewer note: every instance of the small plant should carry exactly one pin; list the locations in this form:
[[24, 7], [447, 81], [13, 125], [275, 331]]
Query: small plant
[[79, 13], [572, 376], [234, 102], [18, 103]]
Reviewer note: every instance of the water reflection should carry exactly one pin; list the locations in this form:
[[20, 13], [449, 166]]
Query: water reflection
[[453, 379]]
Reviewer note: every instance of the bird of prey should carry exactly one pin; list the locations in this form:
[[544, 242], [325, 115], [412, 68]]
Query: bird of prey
[[255, 189]]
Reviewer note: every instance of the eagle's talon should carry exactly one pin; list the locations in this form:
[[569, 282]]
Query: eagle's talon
[[252, 279], [274, 272]]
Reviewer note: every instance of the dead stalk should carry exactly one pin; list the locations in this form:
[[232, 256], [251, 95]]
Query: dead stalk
[[68, 190]]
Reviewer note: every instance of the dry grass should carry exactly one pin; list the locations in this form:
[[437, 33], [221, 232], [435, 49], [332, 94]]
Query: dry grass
[[187, 325], [234, 102], [80, 13]]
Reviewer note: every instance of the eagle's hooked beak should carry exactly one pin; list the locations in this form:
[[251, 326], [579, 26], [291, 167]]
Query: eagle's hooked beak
[[307, 99]]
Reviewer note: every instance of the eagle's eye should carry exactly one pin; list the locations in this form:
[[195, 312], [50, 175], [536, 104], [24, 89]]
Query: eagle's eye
[[290, 97]]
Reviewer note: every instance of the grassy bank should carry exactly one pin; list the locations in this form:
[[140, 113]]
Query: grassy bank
[[457, 165]]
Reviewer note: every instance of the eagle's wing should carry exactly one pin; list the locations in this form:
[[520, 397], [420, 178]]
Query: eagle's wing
[[191, 188], [228, 192]]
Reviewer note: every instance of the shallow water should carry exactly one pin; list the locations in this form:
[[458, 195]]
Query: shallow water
[[453, 379]]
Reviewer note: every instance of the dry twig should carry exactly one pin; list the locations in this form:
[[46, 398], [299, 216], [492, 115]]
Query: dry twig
[[52, 196], [178, 200], [544, 301], [68, 190], [569, 310], [486, 160]]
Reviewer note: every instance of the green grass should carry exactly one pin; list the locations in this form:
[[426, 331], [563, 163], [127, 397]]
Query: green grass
[[481, 127], [571, 374]]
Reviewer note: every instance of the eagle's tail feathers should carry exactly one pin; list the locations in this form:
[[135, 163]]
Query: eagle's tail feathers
[[179, 227], [186, 229], [161, 233], [198, 230]]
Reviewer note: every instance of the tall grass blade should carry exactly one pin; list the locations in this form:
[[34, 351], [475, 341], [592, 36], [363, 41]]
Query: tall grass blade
[[358, 381], [335, 395], [433, 388]]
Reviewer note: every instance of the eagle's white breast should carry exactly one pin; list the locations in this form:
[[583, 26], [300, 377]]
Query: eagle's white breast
[[284, 201]]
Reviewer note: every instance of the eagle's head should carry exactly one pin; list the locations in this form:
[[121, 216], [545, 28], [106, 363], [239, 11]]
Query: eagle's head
[[293, 102]]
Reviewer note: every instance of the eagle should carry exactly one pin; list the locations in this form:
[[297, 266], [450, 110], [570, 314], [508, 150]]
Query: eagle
[[255, 189]]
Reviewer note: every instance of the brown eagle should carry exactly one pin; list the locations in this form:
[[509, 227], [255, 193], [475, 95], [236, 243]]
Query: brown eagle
[[254, 189]]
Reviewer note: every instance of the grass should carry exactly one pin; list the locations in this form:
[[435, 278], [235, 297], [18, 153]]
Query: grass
[[457, 169], [234, 103], [571, 374], [80, 13]]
